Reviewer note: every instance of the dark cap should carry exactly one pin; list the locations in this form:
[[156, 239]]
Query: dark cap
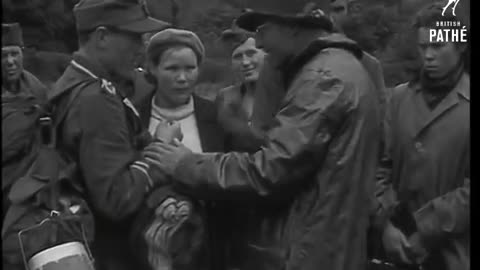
[[310, 17], [12, 34], [173, 36], [235, 36], [127, 15]]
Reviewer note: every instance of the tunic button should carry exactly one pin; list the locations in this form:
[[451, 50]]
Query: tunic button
[[418, 145]]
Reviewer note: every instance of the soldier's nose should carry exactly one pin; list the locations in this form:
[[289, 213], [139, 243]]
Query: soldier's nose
[[10, 59]]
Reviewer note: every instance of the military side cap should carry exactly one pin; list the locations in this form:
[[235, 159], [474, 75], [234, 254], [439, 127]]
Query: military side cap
[[235, 36], [177, 36], [127, 15], [12, 34]]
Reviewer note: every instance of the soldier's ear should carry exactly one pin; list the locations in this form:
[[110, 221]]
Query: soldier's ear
[[101, 36]]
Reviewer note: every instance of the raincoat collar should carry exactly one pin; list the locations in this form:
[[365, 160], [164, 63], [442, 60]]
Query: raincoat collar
[[334, 40]]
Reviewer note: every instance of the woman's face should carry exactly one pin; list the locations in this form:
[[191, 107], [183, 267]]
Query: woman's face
[[176, 75]]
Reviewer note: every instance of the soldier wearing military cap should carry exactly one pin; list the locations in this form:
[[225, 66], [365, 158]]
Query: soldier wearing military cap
[[20, 90], [102, 131], [15, 79], [234, 104], [236, 101]]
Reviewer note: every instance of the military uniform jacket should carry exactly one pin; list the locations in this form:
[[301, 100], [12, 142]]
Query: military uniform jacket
[[239, 132], [102, 134], [18, 112], [31, 91]]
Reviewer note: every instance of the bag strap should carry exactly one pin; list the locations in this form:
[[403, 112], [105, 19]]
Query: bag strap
[[16, 211], [75, 91], [54, 130], [49, 124]]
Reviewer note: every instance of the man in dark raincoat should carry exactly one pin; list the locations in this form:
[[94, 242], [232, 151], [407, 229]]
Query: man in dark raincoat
[[315, 171], [425, 189], [102, 131]]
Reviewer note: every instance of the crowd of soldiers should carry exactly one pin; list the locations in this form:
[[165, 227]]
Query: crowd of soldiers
[[306, 162]]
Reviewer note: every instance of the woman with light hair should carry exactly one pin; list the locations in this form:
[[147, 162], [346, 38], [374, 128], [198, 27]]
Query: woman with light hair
[[171, 233]]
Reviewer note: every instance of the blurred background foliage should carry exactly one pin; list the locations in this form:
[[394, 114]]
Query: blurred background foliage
[[381, 27]]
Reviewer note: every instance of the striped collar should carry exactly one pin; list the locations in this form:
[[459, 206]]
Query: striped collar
[[106, 85]]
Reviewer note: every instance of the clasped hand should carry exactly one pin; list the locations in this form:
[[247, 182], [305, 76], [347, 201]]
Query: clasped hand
[[400, 248], [165, 156], [165, 152], [168, 131]]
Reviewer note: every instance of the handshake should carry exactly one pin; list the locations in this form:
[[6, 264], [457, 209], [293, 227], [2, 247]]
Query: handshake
[[164, 153]]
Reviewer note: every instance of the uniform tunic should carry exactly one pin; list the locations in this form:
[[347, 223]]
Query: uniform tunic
[[102, 133], [17, 135]]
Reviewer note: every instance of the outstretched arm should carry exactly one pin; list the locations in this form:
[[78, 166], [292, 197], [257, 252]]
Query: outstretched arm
[[315, 106]]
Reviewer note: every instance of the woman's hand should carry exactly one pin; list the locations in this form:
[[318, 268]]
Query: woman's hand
[[396, 244], [168, 131], [418, 251]]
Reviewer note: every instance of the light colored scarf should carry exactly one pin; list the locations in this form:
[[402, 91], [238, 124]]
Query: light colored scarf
[[172, 114]]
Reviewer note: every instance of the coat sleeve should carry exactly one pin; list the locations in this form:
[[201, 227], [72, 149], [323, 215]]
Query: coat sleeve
[[385, 195], [116, 178], [315, 106], [446, 215]]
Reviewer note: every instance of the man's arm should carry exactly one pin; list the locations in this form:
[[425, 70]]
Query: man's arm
[[116, 176], [445, 216], [385, 195], [316, 105], [441, 218]]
